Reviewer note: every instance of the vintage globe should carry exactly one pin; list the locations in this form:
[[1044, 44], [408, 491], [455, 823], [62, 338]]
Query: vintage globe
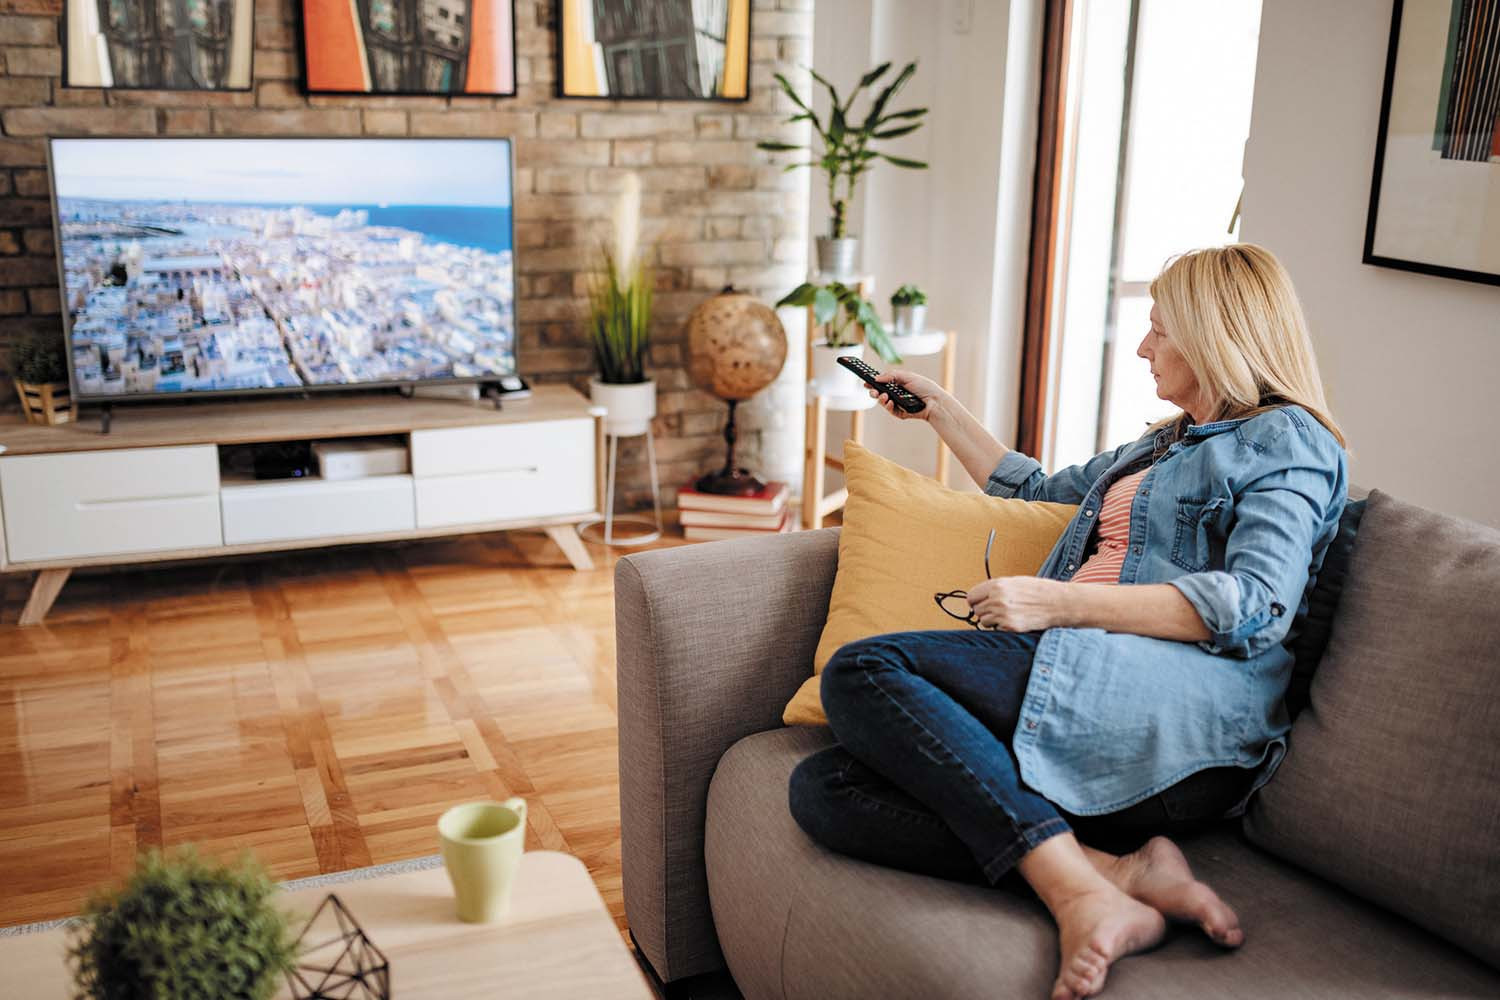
[[735, 344]]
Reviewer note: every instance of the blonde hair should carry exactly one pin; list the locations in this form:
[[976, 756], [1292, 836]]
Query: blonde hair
[[1235, 319]]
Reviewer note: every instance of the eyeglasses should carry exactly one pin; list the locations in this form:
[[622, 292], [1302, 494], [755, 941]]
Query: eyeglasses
[[955, 603]]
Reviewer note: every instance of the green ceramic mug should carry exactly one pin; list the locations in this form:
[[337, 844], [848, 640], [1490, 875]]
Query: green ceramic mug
[[482, 845]]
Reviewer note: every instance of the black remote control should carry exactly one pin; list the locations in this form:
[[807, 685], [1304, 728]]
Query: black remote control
[[908, 401]]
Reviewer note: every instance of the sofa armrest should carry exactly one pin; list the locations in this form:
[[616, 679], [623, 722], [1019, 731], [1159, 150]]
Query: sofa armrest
[[711, 642]]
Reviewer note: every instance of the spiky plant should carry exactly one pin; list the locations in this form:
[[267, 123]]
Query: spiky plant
[[39, 358], [183, 928], [619, 319]]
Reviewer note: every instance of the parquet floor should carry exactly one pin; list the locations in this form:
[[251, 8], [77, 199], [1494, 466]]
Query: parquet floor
[[319, 708]]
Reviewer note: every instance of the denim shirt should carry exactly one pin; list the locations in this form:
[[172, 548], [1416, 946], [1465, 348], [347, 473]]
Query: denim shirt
[[1236, 515]]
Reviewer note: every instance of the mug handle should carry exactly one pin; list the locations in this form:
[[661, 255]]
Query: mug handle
[[518, 805]]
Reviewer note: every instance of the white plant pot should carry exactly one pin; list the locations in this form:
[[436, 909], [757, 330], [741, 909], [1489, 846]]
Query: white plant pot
[[831, 378], [629, 407], [908, 320]]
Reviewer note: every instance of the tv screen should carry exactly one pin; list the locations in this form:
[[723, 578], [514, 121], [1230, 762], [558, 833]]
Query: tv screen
[[193, 266]]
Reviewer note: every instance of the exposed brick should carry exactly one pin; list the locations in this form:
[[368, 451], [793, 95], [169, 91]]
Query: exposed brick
[[182, 98], [584, 152], [764, 49], [557, 125], [79, 121], [367, 101], [5, 184], [25, 212], [385, 122], [24, 91], [673, 153], [660, 179], [44, 301], [12, 302], [186, 121], [274, 33], [520, 124], [720, 252], [17, 30], [283, 123], [278, 94], [633, 153], [627, 125], [76, 97], [562, 180], [723, 228], [24, 272], [731, 177], [31, 183], [755, 227], [530, 234], [716, 126], [271, 64], [676, 229], [51, 8], [39, 241], [10, 243], [33, 62]]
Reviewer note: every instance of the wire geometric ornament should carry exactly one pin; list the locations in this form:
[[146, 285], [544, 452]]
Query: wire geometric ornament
[[345, 966]]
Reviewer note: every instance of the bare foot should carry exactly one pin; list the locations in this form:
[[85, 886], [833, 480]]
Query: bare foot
[[1159, 876], [1096, 927]]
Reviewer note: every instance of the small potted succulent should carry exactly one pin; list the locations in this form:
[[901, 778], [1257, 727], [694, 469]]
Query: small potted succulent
[[842, 150], [846, 317], [183, 927], [41, 375], [619, 323], [908, 310]]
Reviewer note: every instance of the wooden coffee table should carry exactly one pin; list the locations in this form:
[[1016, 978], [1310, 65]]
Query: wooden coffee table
[[557, 941]]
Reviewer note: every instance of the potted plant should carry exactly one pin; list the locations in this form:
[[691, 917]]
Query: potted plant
[[619, 323], [908, 310], [41, 376], [845, 316], [842, 150], [183, 927]]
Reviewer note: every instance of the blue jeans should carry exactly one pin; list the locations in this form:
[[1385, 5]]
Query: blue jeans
[[923, 777]]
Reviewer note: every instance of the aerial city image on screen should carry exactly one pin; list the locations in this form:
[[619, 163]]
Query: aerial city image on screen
[[214, 265]]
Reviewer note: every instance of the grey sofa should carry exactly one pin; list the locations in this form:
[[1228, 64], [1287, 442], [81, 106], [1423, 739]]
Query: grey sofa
[[713, 639]]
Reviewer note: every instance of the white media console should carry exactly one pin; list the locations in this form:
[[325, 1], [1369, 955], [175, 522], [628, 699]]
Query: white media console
[[157, 486]]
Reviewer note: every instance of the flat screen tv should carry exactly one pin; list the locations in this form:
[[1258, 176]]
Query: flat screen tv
[[194, 266]]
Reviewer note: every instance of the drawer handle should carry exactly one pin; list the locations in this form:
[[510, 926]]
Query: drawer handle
[[123, 501]]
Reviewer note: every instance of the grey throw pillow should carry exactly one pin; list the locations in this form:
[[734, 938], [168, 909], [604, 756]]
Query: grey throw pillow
[[1391, 783]]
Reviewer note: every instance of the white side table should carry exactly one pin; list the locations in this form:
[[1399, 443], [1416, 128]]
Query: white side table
[[648, 532]]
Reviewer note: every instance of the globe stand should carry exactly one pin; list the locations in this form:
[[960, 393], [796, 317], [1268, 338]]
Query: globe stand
[[730, 480]]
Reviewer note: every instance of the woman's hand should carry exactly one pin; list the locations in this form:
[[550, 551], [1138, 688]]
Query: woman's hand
[[918, 385], [1020, 603]]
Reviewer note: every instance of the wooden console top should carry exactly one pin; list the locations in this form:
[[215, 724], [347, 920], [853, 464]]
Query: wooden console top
[[243, 421]]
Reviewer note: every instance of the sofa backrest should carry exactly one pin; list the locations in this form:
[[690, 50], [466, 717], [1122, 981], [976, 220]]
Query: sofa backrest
[[1389, 786]]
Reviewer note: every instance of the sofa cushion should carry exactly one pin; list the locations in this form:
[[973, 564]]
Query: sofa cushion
[[907, 537], [1322, 606], [796, 920], [1389, 784]]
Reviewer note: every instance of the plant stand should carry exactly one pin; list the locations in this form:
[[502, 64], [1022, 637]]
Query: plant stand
[[609, 521]]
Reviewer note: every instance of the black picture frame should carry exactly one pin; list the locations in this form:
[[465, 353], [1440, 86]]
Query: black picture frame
[[305, 77], [67, 67], [1379, 177], [560, 65]]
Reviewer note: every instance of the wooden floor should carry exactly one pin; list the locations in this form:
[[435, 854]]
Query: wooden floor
[[319, 708]]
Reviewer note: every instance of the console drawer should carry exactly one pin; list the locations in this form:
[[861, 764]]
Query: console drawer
[[317, 508], [98, 503], [478, 475], [456, 451]]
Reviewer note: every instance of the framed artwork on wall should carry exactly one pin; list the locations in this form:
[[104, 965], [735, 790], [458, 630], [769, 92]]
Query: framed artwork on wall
[[158, 44], [1435, 195], [654, 50], [410, 47]]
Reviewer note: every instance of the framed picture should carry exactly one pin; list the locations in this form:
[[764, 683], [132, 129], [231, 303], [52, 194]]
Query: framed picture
[[1435, 196], [654, 50], [410, 47], [158, 44]]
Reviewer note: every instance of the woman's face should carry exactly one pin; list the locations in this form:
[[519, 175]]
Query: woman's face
[[1175, 381]]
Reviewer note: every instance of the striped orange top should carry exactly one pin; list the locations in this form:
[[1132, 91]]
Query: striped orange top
[[1113, 533]]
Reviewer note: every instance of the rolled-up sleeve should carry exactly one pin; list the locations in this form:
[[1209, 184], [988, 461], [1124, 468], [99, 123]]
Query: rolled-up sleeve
[[1021, 476], [1279, 517]]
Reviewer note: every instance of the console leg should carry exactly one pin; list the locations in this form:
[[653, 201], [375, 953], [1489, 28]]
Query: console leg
[[48, 584], [105, 412], [566, 537]]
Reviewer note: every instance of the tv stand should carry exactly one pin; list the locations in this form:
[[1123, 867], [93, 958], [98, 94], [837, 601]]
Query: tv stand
[[160, 487], [106, 410]]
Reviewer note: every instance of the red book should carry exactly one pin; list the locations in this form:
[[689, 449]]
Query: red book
[[768, 501], [699, 533]]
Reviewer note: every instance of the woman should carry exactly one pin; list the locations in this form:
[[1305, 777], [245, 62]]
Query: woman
[[1080, 704]]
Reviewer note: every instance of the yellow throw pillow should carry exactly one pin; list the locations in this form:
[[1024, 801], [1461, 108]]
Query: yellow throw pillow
[[907, 537]]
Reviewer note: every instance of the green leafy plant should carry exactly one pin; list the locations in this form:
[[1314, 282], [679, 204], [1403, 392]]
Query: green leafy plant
[[620, 293], [842, 311], [908, 295], [39, 358], [183, 928], [843, 147]]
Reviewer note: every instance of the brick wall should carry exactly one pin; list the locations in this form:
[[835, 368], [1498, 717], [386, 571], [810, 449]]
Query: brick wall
[[717, 210]]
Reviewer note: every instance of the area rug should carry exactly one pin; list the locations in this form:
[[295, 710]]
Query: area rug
[[311, 882]]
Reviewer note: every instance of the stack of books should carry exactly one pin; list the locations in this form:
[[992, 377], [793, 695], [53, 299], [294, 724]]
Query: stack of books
[[706, 516]]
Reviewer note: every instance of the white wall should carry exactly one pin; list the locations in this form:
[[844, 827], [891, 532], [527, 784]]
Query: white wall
[[1410, 362], [960, 228]]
